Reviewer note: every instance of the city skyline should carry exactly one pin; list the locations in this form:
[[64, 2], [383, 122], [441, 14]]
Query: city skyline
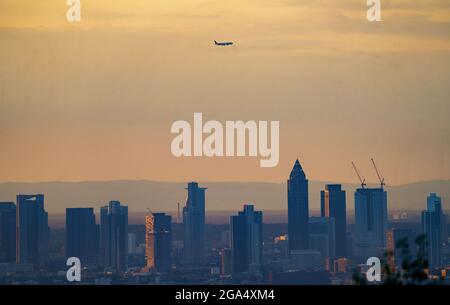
[[165, 196], [224, 150], [313, 243]]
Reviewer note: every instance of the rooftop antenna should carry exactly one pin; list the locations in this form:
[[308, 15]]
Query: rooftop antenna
[[178, 216], [363, 181], [380, 178]]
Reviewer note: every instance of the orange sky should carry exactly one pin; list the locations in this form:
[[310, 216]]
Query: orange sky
[[95, 100]]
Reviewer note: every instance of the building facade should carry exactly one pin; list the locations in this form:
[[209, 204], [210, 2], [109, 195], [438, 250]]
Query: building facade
[[113, 236], [432, 228], [82, 235], [33, 233], [333, 205], [370, 222], [322, 236], [194, 225], [246, 240], [7, 232], [298, 210], [158, 238]]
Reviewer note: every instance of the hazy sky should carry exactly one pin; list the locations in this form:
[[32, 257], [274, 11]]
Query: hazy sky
[[95, 100]]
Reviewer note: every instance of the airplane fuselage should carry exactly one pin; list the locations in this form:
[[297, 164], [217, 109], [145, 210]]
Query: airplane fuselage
[[226, 43]]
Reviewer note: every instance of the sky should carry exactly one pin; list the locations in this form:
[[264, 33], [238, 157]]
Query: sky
[[95, 99]]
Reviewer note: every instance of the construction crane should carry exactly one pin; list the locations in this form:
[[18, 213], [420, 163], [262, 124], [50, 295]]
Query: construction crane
[[380, 178], [363, 181]]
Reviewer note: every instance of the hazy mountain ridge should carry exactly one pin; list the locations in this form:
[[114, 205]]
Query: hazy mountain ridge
[[220, 196]]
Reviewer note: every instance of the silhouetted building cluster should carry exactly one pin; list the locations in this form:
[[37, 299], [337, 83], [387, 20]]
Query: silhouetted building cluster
[[246, 240], [158, 236], [24, 231], [113, 236], [313, 247], [33, 232], [314, 242]]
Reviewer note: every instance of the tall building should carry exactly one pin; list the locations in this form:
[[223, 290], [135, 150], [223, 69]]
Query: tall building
[[158, 228], [332, 203], [297, 187], [82, 235], [113, 236], [394, 236], [322, 236], [226, 261], [246, 240], [444, 226], [194, 225], [33, 233], [432, 228], [131, 242], [7, 232], [370, 222]]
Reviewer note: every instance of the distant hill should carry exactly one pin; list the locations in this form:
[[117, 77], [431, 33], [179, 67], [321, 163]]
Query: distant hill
[[220, 196]]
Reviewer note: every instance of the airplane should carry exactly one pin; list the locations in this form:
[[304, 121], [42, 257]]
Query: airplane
[[223, 44]]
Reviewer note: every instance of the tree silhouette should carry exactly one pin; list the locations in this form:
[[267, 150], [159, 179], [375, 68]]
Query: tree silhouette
[[413, 270]]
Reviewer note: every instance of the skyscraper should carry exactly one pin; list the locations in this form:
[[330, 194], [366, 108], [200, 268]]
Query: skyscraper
[[226, 261], [370, 222], [113, 236], [432, 228], [297, 187], [82, 235], [33, 232], [131, 243], [444, 226], [158, 237], [332, 203], [322, 236], [246, 240], [7, 232], [194, 225]]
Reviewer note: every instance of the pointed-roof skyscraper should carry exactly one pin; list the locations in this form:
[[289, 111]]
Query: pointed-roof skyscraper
[[298, 215]]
